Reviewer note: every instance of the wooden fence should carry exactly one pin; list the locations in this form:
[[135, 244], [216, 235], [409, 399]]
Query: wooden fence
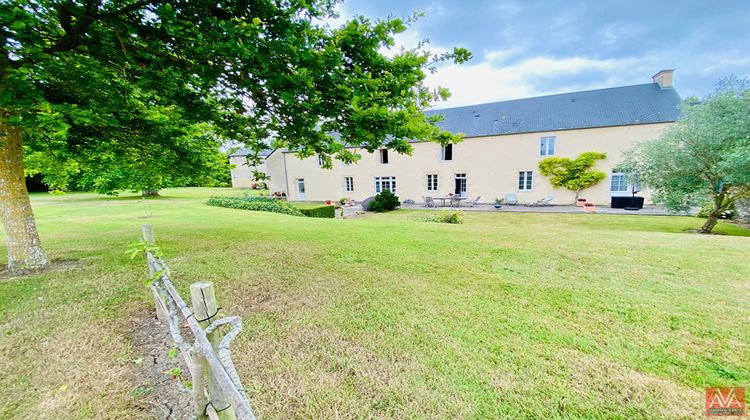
[[217, 389]]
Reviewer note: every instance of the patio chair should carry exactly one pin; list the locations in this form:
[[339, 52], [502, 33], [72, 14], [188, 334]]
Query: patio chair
[[429, 202], [543, 202], [511, 199], [456, 201], [473, 203]]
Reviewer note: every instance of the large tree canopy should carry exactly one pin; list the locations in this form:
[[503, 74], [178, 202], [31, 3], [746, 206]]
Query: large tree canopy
[[705, 156], [89, 80]]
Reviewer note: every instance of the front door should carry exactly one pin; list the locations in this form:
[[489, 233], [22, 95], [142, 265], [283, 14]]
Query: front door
[[300, 189], [460, 185]]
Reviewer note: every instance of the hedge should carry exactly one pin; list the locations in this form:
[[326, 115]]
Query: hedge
[[255, 204], [324, 211]]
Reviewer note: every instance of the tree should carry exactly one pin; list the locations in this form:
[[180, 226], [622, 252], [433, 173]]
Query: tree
[[573, 174], [79, 77], [167, 153], [705, 156]]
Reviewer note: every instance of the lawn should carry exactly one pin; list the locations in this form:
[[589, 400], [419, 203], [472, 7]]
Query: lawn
[[509, 314]]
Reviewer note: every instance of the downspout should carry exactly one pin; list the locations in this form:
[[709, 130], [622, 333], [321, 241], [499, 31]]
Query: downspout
[[286, 178]]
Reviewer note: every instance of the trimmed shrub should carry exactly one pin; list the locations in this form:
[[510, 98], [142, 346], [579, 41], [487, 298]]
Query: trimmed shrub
[[385, 201], [324, 211], [255, 204], [452, 217]]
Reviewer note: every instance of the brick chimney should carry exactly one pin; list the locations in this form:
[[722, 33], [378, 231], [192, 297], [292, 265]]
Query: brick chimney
[[664, 78]]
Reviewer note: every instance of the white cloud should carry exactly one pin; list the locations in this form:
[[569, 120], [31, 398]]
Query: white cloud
[[500, 56], [486, 82]]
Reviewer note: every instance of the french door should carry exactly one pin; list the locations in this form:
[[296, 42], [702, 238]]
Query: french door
[[460, 185]]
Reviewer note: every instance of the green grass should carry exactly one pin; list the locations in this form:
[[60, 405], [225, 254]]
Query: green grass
[[508, 314]]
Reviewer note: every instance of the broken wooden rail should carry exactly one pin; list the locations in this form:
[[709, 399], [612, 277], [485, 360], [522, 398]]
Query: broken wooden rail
[[217, 389]]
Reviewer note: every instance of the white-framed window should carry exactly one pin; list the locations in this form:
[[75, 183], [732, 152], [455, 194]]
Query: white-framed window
[[547, 146], [525, 180], [384, 156], [618, 182], [446, 152], [320, 160], [385, 183], [432, 182], [349, 183]]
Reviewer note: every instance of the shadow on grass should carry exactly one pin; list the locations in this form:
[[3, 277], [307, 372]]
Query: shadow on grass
[[54, 266]]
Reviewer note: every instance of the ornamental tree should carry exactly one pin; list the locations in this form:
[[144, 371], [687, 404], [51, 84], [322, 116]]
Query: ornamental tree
[[703, 157], [78, 77], [573, 174]]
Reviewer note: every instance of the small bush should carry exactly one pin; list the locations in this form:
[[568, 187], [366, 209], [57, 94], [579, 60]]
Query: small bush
[[452, 217], [385, 201], [324, 211], [255, 204]]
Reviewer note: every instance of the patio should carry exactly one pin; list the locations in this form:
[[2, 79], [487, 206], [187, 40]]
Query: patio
[[602, 209]]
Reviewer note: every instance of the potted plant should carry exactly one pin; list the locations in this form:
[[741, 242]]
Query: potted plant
[[589, 207], [581, 202], [499, 202]]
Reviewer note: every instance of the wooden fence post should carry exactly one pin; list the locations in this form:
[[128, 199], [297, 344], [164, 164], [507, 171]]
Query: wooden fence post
[[148, 234], [161, 311], [205, 309], [198, 373]]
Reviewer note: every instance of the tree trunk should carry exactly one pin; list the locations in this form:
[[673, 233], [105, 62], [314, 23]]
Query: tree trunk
[[575, 200], [150, 193], [713, 218], [720, 205], [24, 247]]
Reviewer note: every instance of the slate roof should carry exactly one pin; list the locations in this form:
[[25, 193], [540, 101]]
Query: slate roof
[[245, 152], [628, 105]]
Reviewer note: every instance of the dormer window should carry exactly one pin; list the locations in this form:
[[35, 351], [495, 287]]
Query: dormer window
[[383, 156], [446, 152]]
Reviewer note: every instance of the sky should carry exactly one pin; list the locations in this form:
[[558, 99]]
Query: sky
[[532, 48]]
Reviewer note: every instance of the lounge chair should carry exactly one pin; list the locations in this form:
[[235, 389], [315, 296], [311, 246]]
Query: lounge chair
[[511, 199], [543, 202], [473, 203], [429, 202]]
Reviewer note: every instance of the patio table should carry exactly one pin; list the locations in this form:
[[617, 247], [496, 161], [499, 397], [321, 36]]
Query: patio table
[[442, 199]]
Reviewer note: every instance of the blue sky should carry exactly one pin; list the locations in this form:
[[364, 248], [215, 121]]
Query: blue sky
[[530, 48]]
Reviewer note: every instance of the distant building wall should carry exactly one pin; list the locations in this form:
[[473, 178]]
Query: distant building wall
[[242, 174], [275, 171]]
